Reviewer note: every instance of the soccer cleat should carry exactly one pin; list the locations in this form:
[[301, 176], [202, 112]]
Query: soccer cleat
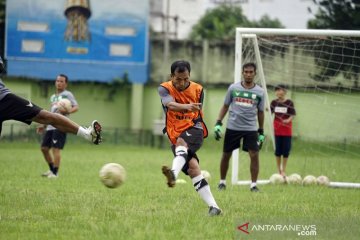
[[52, 175], [95, 131], [47, 173], [221, 187], [213, 211], [254, 189], [169, 174]]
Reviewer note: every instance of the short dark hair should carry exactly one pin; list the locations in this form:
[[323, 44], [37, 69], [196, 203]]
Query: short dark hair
[[64, 76], [180, 66], [250, 64], [280, 86]]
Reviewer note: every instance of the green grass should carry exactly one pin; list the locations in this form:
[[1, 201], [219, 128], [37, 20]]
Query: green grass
[[78, 206]]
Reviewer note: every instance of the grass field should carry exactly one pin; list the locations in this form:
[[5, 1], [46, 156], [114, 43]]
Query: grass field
[[78, 206]]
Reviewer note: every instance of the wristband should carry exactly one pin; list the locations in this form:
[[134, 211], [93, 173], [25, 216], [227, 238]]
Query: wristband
[[261, 131]]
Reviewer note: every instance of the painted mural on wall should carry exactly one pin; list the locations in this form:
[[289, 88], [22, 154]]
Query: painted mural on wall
[[96, 40]]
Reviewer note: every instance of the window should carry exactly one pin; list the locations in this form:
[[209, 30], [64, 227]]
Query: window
[[32, 26], [34, 46], [120, 31], [121, 50]]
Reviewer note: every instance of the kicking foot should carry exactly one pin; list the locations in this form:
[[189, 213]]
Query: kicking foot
[[169, 174]]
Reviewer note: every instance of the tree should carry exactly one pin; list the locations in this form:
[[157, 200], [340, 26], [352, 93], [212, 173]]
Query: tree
[[266, 22], [220, 23], [341, 15], [336, 14]]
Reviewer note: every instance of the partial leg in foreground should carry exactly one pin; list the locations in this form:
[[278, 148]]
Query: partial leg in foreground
[[64, 124]]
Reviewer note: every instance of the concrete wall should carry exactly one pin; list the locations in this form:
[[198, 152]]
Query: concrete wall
[[213, 63], [323, 114], [320, 116]]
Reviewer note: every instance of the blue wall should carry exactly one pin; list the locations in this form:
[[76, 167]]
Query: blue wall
[[96, 64]]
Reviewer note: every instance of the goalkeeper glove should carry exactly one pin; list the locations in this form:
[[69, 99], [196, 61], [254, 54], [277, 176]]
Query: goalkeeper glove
[[261, 138], [217, 130]]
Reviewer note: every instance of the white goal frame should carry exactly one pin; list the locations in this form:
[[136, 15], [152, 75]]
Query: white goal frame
[[252, 33]]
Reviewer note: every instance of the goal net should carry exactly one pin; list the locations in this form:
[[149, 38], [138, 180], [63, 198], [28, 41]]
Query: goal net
[[321, 70]]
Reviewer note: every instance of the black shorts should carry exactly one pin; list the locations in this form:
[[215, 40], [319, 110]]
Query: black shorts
[[282, 146], [13, 107], [232, 140], [54, 139], [194, 137]]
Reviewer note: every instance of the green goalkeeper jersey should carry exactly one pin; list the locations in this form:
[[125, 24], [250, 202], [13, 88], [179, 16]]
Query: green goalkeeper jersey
[[244, 105]]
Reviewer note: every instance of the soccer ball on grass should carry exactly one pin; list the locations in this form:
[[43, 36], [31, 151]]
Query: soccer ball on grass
[[294, 179], [277, 179], [112, 175], [309, 180], [323, 180]]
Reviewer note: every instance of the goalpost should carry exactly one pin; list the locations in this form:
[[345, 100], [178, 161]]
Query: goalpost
[[311, 61]]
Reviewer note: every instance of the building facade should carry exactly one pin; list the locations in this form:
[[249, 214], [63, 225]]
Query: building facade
[[177, 17]]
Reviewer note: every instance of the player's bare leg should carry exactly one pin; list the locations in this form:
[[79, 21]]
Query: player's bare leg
[[47, 156], [278, 164], [254, 169], [284, 162], [64, 124], [57, 157], [60, 122], [224, 166]]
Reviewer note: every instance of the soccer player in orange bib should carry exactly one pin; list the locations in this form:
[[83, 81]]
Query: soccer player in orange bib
[[182, 103]]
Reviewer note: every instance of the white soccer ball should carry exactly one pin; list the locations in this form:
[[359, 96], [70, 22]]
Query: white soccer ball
[[112, 175], [294, 179], [64, 104], [323, 181], [206, 175], [309, 180], [286, 179], [277, 179]]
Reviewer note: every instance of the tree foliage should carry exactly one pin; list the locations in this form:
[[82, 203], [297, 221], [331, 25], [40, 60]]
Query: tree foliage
[[266, 22], [220, 23], [337, 57], [336, 14]]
